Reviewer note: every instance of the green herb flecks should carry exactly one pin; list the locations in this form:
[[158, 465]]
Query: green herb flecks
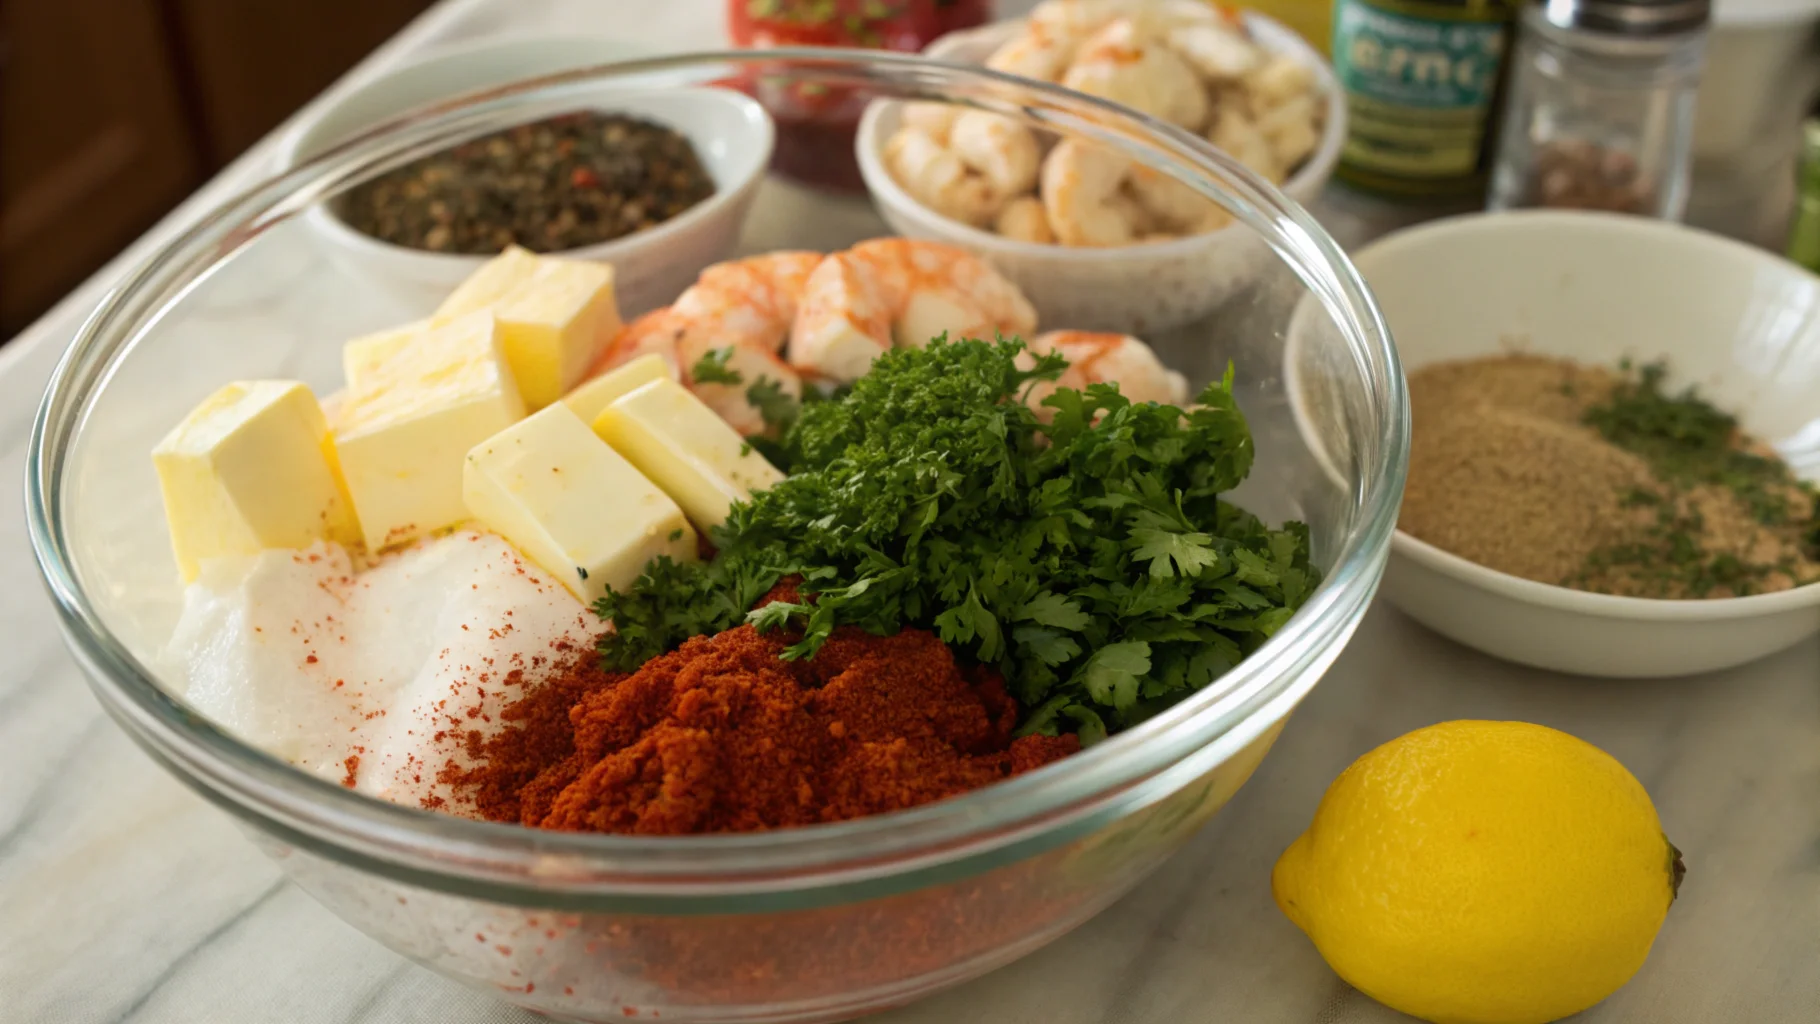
[[1668, 558], [1091, 559], [712, 368], [1688, 442]]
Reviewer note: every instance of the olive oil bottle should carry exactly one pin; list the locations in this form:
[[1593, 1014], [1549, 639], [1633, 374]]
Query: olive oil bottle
[[1423, 80]]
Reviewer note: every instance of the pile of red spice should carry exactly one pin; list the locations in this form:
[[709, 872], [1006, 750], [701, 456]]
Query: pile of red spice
[[723, 735]]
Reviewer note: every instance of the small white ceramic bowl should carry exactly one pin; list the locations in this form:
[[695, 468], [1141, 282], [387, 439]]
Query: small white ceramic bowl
[[1741, 324], [1137, 289], [731, 134]]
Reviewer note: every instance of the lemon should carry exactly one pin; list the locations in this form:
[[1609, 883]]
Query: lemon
[[1482, 873]]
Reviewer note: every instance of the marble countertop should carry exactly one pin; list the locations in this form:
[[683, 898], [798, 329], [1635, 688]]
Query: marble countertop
[[124, 897]]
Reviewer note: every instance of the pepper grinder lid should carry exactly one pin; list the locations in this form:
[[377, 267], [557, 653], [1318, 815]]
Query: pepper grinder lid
[[1638, 19]]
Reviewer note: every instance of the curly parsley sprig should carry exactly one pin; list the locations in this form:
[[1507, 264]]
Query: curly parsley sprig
[[1091, 558]]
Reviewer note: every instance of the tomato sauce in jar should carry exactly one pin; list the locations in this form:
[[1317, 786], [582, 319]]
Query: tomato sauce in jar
[[816, 122]]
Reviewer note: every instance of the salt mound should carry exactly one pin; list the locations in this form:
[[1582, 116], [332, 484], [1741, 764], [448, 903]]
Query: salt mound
[[375, 679]]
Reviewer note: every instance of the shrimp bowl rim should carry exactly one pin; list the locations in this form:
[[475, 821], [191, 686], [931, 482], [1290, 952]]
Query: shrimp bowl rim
[[1301, 187], [818, 865]]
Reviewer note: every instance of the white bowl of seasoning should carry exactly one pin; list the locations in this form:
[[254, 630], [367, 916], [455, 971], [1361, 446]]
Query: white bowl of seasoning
[[1740, 325], [731, 135], [1139, 289]]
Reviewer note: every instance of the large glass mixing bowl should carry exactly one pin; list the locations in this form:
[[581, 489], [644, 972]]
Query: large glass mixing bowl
[[807, 924]]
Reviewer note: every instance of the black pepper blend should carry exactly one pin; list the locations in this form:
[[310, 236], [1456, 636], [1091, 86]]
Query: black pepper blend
[[569, 181]]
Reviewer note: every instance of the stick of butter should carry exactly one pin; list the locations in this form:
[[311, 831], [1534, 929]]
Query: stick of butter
[[571, 504], [553, 315], [404, 432], [588, 400], [252, 467], [677, 441]]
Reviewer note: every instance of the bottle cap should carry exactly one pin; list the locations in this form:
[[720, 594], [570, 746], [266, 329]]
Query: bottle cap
[[1635, 18]]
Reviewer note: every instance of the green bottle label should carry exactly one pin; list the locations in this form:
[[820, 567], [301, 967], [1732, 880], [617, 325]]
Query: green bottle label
[[1419, 81]]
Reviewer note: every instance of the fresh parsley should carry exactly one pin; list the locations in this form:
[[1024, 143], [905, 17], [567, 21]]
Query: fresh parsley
[[712, 368], [1092, 559]]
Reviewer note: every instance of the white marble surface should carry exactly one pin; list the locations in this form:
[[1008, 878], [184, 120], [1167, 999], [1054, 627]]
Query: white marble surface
[[124, 897]]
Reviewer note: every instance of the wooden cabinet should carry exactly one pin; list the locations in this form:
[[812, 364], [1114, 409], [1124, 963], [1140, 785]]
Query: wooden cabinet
[[111, 111], [94, 144]]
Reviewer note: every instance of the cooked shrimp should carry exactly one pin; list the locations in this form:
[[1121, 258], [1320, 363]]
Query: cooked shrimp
[[938, 179], [1291, 128], [1025, 220], [749, 302], [1239, 136], [1219, 51], [1052, 33], [744, 307], [1003, 151], [859, 303], [1081, 185], [1098, 358], [1175, 206], [1280, 78], [1125, 64], [935, 118], [1081, 18], [1035, 53], [654, 333]]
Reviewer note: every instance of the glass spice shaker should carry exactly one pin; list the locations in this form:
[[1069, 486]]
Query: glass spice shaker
[[1601, 105]]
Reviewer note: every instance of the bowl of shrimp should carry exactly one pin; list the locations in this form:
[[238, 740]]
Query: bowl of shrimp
[[1063, 218]]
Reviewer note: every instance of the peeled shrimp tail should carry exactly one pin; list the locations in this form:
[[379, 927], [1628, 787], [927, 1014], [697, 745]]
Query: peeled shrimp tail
[[1003, 151], [1125, 64], [938, 178], [1103, 358], [1081, 185], [899, 291]]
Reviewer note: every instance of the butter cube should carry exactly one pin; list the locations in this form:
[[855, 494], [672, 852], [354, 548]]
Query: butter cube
[[573, 505], [489, 285], [677, 441], [593, 396], [252, 467], [405, 431], [554, 314], [365, 354]]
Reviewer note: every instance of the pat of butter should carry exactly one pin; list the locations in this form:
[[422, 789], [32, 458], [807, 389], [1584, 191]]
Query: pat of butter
[[252, 467], [487, 286], [677, 441], [364, 355], [554, 314], [593, 396], [573, 505], [405, 430]]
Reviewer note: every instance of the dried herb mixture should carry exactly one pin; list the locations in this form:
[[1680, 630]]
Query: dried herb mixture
[[569, 181]]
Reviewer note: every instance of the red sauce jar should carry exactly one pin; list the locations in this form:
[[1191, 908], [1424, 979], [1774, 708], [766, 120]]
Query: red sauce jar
[[816, 122]]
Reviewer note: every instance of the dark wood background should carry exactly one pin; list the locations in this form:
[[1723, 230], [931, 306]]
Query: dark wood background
[[111, 111]]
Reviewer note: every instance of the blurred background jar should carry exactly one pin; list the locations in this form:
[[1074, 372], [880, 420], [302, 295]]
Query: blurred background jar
[[816, 123], [1762, 67], [1601, 106], [1423, 82]]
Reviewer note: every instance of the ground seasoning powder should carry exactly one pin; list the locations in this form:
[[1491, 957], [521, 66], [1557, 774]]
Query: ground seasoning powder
[[1596, 479], [722, 735]]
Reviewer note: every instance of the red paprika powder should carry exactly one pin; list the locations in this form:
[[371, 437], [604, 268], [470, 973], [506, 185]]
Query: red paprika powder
[[724, 735]]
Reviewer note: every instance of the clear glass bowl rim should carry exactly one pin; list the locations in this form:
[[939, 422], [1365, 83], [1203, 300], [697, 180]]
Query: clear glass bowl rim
[[1095, 786]]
